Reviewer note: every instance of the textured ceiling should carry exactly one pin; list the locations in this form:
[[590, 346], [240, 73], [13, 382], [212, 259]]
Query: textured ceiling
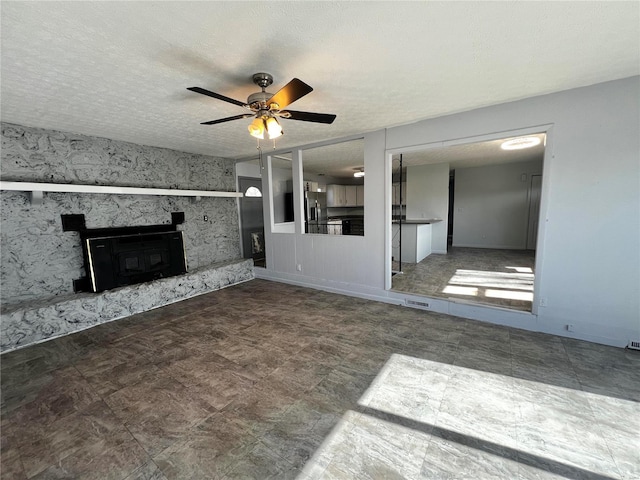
[[120, 69]]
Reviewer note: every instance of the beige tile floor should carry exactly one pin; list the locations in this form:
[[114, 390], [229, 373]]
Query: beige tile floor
[[265, 380], [496, 277]]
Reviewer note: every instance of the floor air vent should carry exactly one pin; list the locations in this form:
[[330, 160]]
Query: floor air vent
[[634, 344], [415, 303]]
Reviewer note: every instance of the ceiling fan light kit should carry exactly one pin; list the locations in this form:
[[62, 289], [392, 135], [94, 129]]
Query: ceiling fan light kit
[[266, 107]]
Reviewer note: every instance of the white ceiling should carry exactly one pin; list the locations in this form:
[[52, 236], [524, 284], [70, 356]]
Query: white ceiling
[[120, 69]]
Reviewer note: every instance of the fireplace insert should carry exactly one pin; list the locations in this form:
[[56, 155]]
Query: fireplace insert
[[128, 259], [118, 256]]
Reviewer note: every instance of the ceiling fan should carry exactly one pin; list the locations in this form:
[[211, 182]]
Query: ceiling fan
[[267, 107]]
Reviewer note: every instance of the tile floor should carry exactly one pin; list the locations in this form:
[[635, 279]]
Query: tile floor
[[265, 380], [481, 275]]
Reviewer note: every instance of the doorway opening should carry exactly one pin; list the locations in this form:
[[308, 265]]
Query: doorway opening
[[470, 212], [252, 220]]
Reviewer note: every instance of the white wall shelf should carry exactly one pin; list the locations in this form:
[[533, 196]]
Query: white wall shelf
[[38, 188]]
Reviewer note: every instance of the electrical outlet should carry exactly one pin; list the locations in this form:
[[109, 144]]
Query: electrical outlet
[[543, 302], [299, 267], [206, 218], [570, 327]]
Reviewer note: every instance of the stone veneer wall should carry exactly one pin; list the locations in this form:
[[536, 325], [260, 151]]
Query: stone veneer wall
[[34, 322], [39, 261]]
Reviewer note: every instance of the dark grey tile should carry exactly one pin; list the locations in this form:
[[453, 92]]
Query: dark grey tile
[[148, 471], [260, 463], [209, 450], [43, 399], [266, 380]]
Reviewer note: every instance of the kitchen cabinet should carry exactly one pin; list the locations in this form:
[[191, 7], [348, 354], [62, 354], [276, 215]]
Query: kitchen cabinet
[[360, 195], [345, 195], [351, 195], [310, 186], [416, 242], [336, 196]]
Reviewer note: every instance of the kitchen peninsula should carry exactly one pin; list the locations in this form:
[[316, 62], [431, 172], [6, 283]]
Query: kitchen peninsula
[[416, 239]]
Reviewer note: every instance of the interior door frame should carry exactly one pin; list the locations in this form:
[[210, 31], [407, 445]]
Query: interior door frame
[[547, 129], [240, 220], [530, 199]]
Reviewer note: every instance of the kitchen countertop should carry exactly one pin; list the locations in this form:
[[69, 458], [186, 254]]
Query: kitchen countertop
[[422, 221], [346, 217]]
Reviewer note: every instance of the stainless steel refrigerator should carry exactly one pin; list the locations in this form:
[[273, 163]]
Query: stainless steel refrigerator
[[315, 212]]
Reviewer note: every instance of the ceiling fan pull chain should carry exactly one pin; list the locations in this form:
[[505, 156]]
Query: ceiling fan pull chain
[[260, 156]]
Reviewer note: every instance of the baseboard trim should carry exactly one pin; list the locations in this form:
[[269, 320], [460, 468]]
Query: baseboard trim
[[495, 315]]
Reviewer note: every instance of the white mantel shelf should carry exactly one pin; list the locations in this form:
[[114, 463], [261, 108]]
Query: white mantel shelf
[[70, 188]]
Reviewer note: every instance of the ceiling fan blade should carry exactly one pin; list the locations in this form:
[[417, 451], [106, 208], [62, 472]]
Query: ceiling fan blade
[[217, 95], [309, 116], [291, 92], [228, 119]]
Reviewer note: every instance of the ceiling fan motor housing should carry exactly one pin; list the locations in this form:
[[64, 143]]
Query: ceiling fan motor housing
[[259, 99], [262, 79]]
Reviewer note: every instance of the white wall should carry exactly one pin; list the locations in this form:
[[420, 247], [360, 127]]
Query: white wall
[[588, 255], [491, 205], [428, 197], [248, 169]]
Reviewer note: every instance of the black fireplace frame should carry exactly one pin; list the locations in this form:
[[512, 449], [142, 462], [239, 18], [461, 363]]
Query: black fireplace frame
[[160, 234]]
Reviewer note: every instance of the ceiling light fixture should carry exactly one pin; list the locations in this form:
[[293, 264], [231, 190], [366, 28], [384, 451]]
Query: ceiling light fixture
[[266, 122], [273, 128], [520, 143], [256, 128], [359, 173]]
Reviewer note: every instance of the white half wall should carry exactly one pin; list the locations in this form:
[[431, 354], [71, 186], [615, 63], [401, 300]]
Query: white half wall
[[345, 259], [428, 197], [587, 251], [491, 205]]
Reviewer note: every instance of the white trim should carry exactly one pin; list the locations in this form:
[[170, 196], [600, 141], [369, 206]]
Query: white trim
[[547, 129], [472, 139], [70, 188], [323, 143], [456, 307]]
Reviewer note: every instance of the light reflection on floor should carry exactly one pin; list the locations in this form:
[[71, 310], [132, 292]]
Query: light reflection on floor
[[468, 274], [475, 283], [425, 419]]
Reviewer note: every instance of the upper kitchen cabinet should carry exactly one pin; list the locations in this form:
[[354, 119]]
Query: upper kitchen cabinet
[[360, 195], [351, 195], [345, 195], [336, 196]]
